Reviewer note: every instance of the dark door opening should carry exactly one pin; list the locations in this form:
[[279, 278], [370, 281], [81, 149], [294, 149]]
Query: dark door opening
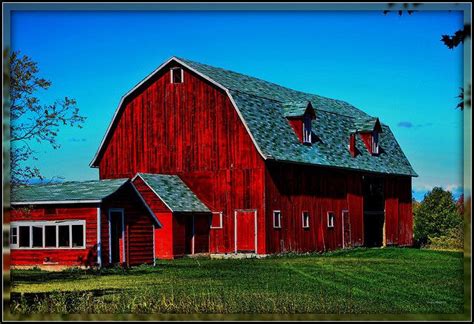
[[189, 234], [374, 211], [116, 233]]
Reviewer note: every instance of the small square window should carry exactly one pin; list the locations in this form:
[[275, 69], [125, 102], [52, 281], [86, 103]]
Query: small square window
[[331, 219], [177, 75], [305, 219], [216, 222], [276, 219]]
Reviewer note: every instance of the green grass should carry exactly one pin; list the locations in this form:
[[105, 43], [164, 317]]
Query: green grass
[[359, 281]]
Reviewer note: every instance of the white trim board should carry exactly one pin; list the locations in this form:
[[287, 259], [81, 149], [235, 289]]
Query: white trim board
[[119, 107]]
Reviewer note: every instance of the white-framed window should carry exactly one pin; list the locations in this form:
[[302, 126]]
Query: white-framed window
[[276, 219], [216, 221], [305, 219], [68, 234], [177, 75], [331, 219], [375, 142]]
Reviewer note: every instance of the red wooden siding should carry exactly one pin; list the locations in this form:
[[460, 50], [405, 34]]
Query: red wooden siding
[[70, 257], [293, 189], [138, 227], [163, 234], [192, 130], [367, 139]]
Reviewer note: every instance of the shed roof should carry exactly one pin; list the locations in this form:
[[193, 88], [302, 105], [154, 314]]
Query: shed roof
[[66, 192], [173, 192]]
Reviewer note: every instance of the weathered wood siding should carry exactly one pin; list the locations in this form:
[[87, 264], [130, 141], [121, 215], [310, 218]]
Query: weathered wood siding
[[192, 130], [292, 189]]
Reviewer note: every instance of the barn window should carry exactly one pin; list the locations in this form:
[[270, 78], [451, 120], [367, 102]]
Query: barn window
[[276, 219], [77, 235], [305, 219], [24, 236], [331, 218], [37, 232], [48, 234], [63, 236], [177, 75], [216, 222], [375, 142]]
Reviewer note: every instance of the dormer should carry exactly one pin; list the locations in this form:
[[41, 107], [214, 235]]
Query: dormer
[[300, 115], [369, 130]]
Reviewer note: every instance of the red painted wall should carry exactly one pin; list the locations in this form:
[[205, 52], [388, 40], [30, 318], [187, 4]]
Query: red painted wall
[[293, 189], [138, 227], [69, 257], [192, 130], [297, 124], [163, 234]]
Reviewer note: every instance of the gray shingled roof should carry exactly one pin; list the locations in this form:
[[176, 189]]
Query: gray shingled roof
[[73, 191], [174, 193], [264, 106]]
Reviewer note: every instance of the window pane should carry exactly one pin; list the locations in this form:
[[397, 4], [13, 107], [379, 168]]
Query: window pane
[[24, 236], [177, 76], [13, 235], [37, 236], [63, 233], [50, 236], [77, 235]]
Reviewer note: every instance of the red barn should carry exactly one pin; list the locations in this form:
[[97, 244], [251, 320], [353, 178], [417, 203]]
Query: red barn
[[216, 162]]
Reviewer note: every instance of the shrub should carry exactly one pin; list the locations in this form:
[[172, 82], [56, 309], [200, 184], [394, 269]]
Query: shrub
[[454, 239]]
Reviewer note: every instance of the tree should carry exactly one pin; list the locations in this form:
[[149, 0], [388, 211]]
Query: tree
[[436, 215], [32, 121]]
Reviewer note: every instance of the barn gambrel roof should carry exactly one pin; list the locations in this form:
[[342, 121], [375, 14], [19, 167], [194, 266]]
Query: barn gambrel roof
[[262, 106]]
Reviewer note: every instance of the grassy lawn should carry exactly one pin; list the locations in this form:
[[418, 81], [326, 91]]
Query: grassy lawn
[[359, 281]]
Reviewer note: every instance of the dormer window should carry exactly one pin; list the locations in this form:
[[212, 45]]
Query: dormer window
[[375, 142], [177, 75], [307, 129]]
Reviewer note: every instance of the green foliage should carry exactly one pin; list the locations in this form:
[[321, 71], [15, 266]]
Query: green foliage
[[435, 215], [358, 281], [31, 120]]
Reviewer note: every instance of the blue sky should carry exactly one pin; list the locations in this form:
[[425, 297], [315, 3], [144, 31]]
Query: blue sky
[[394, 67]]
